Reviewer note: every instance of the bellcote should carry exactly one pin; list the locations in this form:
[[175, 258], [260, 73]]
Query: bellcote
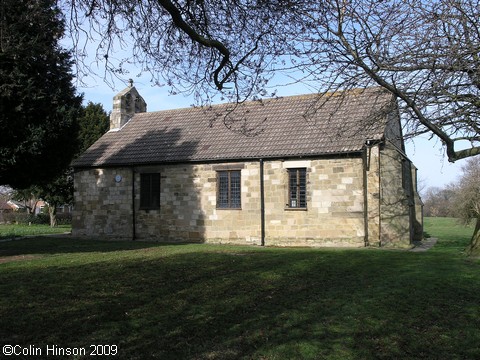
[[126, 103]]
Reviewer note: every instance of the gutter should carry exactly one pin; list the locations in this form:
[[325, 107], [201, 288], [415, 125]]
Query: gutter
[[134, 224], [380, 199], [262, 205], [366, 168]]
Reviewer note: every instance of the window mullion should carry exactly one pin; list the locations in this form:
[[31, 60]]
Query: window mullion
[[229, 189], [299, 200]]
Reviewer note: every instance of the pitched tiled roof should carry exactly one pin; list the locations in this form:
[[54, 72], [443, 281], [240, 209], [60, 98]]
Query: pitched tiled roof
[[275, 128]]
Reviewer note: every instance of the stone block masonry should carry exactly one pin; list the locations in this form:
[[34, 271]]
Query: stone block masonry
[[188, 204], [103, 205], [334, 212]]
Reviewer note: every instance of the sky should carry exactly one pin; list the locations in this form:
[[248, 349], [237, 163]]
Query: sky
[[434, 169]]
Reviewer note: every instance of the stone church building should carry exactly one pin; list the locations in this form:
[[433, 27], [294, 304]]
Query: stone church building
[[290, 171]]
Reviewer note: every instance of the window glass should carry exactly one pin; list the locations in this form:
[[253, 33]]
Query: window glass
[[150, 191], [297, 188], [229, 189]]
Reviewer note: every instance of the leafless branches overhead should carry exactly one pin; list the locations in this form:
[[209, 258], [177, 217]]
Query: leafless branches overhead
[[426, 53]]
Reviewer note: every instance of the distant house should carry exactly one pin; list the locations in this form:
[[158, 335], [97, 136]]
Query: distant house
[[292, 171], [5, 207], [34, 205], [9, 207], [17, 205], [65, 209]]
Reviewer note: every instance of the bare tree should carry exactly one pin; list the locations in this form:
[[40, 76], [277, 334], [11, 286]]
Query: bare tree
[[467, 200], [437, 202], [426, 53]]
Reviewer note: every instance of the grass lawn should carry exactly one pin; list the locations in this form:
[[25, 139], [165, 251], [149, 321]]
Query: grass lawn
[[12, 231], [227, 302]]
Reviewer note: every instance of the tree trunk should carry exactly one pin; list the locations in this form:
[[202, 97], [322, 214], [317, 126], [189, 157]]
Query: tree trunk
[[474, 248], [52, 211]]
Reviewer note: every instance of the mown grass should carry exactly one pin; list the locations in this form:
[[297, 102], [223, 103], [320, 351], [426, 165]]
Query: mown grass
[[8, 231], [454, 236], [228, 302]]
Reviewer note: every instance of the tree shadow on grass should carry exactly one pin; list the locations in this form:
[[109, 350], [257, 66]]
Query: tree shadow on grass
[[67, 244], [293, 304]]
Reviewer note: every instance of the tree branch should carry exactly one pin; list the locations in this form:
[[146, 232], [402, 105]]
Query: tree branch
[[358, 61], [195, 36]]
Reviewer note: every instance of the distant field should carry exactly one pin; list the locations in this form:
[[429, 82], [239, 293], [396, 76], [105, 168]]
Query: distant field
[[452, 233], [153, 301]]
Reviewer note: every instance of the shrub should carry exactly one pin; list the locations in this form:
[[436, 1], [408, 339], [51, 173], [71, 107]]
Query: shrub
[[8, 217], [25, 218], [64, 219]]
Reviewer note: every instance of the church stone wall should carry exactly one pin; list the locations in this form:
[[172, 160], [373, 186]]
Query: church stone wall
[[397, 202], [188, 211], [103, 203], [335, 208], [106, 206]]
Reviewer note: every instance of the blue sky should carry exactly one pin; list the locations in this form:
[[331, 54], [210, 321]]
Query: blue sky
[[434, 170], [427, 155]]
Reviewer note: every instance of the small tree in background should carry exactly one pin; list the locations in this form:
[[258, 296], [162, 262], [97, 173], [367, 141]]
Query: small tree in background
[[57, 192], [467, 200], [29, 197], [93, 123]]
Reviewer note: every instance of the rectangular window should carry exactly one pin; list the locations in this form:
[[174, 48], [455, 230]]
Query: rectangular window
[[405, 174], [229, 189], [150, 191], [297, 188]]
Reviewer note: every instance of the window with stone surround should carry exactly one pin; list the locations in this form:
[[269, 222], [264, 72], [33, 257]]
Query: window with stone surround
[[297, 188], [150, 191], [229, 189], [406, 171]]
